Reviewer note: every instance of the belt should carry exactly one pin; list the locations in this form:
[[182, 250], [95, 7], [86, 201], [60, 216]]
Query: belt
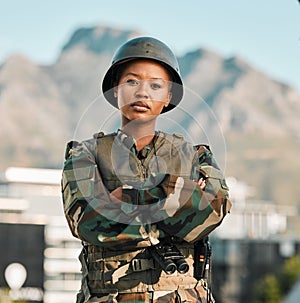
[[107, 270]]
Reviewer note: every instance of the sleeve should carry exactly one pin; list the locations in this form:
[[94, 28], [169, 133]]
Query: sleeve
[[94, 215], [190, 212]]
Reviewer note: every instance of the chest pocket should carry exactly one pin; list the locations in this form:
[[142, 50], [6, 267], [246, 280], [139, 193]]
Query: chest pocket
[[119, 165]]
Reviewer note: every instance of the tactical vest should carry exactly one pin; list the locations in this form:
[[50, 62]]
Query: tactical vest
[[118, 164], [110, 271]]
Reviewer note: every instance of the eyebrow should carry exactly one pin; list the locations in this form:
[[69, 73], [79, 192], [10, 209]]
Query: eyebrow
[[136, 75]]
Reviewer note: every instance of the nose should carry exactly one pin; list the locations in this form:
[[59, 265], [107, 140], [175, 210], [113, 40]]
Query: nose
[[142, 90]]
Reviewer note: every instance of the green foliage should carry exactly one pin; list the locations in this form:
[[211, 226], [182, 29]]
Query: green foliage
[[290, 273], [273, 287], [269, 290]]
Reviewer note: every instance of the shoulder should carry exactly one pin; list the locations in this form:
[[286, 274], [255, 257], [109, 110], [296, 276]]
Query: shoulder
[[102, 136], [203, 148], [175, 138], [205, 155], [103, 141], [74, 147], [178, 138]]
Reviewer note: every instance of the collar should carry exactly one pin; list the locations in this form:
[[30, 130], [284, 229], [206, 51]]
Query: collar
[[128, 141]]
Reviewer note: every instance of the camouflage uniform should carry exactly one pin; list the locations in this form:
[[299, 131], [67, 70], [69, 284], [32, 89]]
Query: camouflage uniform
[[164, 204]]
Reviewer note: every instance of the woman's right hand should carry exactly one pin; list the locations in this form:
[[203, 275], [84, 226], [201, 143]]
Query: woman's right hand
[[201, 183]]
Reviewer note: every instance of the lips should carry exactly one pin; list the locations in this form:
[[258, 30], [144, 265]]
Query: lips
[[140, 105]]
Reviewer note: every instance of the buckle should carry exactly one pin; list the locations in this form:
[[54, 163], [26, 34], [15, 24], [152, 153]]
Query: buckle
[[137, 264], [142, 264]]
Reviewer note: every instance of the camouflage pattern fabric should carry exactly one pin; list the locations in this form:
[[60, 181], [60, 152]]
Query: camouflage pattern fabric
[[199, 294], [180, 208], [117, 201]]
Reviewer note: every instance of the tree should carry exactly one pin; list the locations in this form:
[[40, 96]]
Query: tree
[[273, 287]]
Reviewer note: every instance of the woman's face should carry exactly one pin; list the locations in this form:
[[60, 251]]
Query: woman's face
[[144, 89]]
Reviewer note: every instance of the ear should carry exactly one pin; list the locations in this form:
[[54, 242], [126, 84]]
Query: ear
[[116, 91], [168, 99]]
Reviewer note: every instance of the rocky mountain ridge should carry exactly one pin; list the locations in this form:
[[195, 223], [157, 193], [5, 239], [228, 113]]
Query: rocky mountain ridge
[[238, 109]]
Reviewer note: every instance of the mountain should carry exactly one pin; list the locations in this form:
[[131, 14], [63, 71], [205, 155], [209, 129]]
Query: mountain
[[249, 119]]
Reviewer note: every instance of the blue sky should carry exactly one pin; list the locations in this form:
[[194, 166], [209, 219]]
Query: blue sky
[[265, 33]]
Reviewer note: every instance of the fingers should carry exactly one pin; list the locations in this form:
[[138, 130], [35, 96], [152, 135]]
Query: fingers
[[201, 183], [117, 193]]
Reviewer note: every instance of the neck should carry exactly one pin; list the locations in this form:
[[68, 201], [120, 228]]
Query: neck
[[143, 133]]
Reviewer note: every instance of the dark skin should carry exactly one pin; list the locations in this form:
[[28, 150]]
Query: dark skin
[[143, 90]]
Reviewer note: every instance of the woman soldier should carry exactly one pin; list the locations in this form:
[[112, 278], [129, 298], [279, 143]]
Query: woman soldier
[[143, 201]]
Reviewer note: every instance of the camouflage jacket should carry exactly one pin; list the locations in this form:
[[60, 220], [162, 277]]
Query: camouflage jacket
[[119, 202], [160, 198]]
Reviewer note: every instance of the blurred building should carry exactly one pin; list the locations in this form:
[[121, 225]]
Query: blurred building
[[31, 197], [256, 219], [253, 241]]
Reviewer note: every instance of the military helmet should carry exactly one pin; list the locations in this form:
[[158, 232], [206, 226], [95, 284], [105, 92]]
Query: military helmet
[[144, 48]]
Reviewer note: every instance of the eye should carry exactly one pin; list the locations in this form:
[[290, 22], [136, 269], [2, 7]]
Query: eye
[[132, 82], [155, 85]]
